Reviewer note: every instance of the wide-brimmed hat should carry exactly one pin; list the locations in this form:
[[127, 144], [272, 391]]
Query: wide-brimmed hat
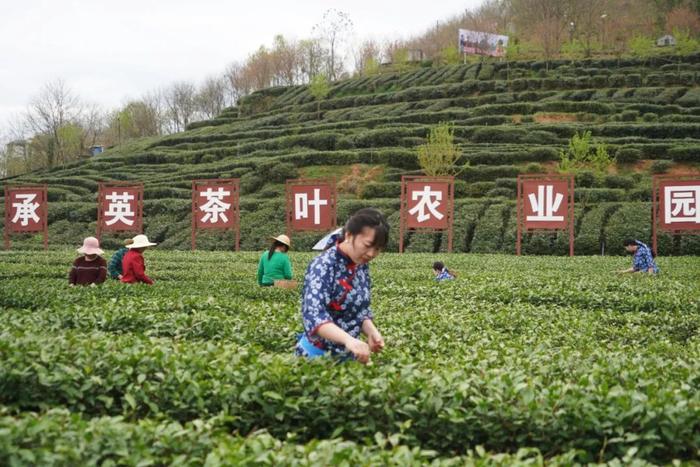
[[91, 246], [141, 241], [283, 239]]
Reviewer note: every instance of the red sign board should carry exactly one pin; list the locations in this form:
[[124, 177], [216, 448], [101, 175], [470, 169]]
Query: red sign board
[[120, 208], [545, 203], [675, 206], [427, 205], [215, 205], [26, 210], [679, 205], [311, 205]]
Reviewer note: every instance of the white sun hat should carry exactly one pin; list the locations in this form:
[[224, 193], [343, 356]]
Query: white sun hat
[[141, 241]]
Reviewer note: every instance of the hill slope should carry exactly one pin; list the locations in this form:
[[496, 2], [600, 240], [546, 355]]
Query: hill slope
[[508, 118]]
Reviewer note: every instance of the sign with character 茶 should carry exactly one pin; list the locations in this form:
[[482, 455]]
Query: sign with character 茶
[[215, 205]]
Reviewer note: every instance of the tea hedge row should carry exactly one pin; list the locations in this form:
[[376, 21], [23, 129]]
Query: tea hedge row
[[498, 399], [61, 438], [506, 357]]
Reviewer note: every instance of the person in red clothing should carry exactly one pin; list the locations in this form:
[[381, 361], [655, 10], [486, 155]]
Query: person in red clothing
[[90, 268], [133, 267]]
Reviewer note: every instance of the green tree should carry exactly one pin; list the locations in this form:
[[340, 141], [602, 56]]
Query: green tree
[[371, 67], [685, 45], [579, 146], [574, 50], [399, 60], [601, 159], [319, 88], [72, 139], [583, 153], [641, 47], [516, 50], [136, 119], [450, 55], [440, 154], [126, 128], [12, 161]]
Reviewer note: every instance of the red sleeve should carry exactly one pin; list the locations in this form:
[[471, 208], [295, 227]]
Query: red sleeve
[[126, 266], [140, 270], [73, 274], [102, 275]]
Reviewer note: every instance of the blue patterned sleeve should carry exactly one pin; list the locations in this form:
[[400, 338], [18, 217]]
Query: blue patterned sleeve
[[366, 311], [642, 261], [316, 295]]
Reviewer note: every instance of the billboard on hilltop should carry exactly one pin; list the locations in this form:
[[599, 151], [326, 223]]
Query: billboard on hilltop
[[482, 43]]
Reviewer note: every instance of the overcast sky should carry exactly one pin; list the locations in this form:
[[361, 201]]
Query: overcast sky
[[109, 51]]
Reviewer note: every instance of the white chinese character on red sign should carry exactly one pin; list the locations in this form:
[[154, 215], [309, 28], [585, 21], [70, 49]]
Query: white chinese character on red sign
[[302, 203], [215, 207], [26, 209], [427, 199], [682, 204], [545, 204], [119, 208]]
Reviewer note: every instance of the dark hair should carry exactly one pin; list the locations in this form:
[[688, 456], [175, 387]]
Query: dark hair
[[276, 244], [372, 218], [440, 266], [628, 242]]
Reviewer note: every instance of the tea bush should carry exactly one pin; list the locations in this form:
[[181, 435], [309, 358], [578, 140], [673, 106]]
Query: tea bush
[[508, 363]]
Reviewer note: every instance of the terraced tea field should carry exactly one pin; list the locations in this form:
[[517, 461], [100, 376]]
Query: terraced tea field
[[520, 360], [509, 118]]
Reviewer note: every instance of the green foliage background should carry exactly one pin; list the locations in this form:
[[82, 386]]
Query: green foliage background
[[508, 118]]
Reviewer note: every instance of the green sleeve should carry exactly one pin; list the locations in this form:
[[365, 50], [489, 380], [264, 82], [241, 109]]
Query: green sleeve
[[260, 270], [287, 268], [115, 263]]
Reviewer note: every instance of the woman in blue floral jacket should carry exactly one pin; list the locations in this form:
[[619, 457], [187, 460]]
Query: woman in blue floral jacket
[[441, 272], [335, 301], [643, 260]]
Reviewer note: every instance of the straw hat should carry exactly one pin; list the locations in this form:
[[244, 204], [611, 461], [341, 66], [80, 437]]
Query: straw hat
[[91, 246], [283, 239], [141, 241]]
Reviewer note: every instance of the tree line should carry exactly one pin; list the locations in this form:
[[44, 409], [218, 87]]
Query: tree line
[[58, 126]]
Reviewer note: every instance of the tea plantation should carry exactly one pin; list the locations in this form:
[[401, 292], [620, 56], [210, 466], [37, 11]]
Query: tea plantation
[[509, 118], [520, 360]]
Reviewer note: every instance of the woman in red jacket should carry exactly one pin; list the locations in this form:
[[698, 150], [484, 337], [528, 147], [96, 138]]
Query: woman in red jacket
[[133, 266]]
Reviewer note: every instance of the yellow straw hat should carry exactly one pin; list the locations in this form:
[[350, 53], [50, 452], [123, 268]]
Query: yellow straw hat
[[283, 239]]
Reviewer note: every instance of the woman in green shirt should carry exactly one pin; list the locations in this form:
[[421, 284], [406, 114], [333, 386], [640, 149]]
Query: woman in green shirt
[[274, 264]]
